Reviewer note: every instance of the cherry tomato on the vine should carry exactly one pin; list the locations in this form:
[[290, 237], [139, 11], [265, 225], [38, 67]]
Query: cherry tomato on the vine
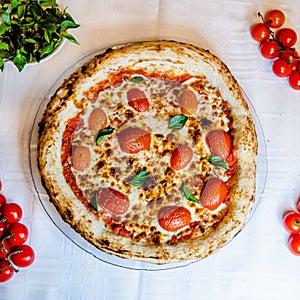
[[259, 32], [5, 248], [291, 222], [286, 36], [289, 56], [6, 271], [12, 212], [294, 80], [269, 49], [22, 256], [294, 244], [281, 68], [3, 227], [2, 200], [275, 18], [18, 234]]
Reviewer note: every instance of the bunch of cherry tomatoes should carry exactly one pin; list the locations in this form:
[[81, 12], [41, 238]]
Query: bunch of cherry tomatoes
[[291, 222], [14, 254], [278, 46]]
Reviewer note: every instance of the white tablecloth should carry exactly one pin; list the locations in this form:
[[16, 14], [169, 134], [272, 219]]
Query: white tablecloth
[[257, 264]]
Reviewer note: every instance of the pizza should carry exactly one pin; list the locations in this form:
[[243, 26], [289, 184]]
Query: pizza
[[148, 151]]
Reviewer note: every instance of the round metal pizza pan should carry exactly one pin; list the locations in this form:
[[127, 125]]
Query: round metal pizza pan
[[76, 238]]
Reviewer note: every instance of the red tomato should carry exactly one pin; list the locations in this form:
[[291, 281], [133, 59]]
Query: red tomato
[[287, 36], [172, 218], [269, 49], [97, 119], [133, 140], [294, 80], [18, 234], [188, 102], [260, 32], [294, 244], [290, 56], [281, 68], [275, 18], [219, 143], [81, 158], [2, 200], [298, 205], [12, 212], [298, 66], [213, 193], [181, 156], [3, 227], [5, 249], [22, 256], [291, 222], [0, 185], [137, 100], [6, 271], [113, 201]]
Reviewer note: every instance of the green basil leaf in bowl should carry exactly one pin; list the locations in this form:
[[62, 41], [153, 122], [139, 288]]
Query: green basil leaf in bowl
[[31, 30]]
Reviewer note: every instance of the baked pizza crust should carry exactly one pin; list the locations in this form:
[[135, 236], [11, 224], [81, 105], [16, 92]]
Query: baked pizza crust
[[162, 57]]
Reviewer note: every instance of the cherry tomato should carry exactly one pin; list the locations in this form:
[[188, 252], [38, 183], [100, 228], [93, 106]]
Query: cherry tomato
[[181, 156], [260, 32], [2, 200], [81, 158], [22, 256], [18, 233], [133, 140], [269, 49], [291, 222], [281, 68], [137, 100], [294, 80], [3, 228], [172, 218], [290, 56], [5, 248], [287, 36], [275, 18], [213, 193], [6, 271], [97, 119], [219, 143], [12, 212], [0, 185], [113, 201], [294, 244], [188, 102], [298, 66]]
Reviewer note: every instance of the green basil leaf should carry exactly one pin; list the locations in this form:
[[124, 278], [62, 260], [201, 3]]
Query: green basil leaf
[[6, 18], [46, 50], [20, 61], [36, 10], [94, 205], [139, 179], [218, 162], [187, 193], [3, 28], [70, 37], [46, 3], [49, 26], [177, 122], [103, 134], [137, 79], [1, 64], [68, 24], [14, 4], [21, 11], [4, 46], [30, 41]]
